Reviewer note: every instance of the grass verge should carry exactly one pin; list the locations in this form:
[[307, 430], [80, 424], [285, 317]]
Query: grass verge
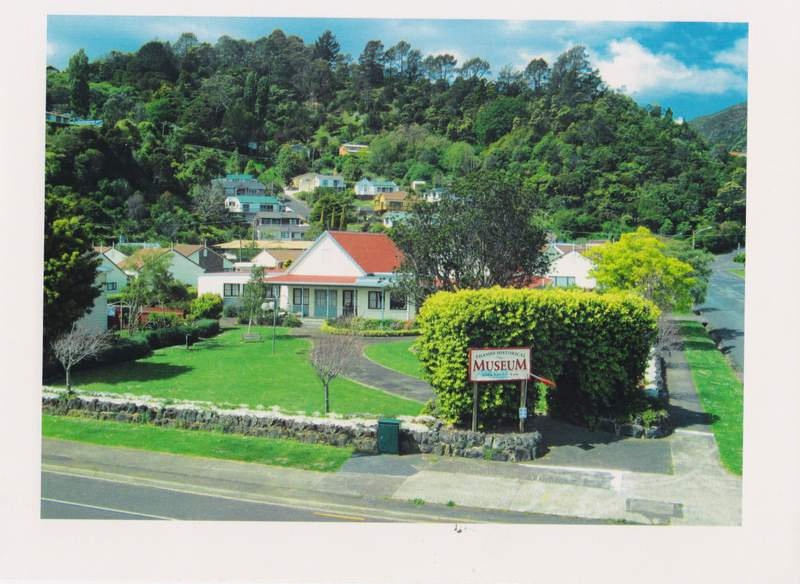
[[737, 272], [720, 390], [269, 451], [226, 371], [396, 355]]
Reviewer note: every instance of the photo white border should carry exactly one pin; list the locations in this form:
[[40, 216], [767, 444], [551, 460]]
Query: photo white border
[[764, 549]]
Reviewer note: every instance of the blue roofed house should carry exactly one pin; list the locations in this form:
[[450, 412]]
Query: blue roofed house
[[252, 204], [240, 184]]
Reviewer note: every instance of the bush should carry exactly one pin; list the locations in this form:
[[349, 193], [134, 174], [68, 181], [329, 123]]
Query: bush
[[161, 320], [230, 311], [166, 337], [208, 305], [291, 320], [594, 346], [739, 258], [369, 327], [122, 349]]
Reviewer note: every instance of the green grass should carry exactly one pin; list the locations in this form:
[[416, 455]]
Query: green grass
[[721, 392], [197, 443], [396, 355], [226, 371], [737, 271]]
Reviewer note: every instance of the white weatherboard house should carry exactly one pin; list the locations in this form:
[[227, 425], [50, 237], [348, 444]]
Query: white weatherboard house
[[572, 269], [115, 277], [96, 320], [346, 274], [229, 285]]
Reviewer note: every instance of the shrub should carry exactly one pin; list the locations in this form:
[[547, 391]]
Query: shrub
[[594, 346], [739, 258], [162, 320], [230, 311], [205, 328], [122, 349], [208, 305], [291, 320]]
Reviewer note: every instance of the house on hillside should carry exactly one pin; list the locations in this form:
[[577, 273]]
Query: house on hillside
[[240, 185], [312, 180], [346, 149], [249, 205], [280, 225], [392, 218], [204, 256], [346, 274], [397, 201], [366, 188], [180, 267]]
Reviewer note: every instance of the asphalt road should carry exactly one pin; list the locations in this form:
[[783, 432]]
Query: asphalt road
[[724, 309], [66, 496]]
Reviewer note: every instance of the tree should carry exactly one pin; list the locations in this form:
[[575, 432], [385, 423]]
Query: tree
[[70, 265], [475, 67], [572, 79], [254, 295], [326, 47], [208, 202], [78, 74], [536, 74], [639, 262], [484, 234], [331, 356], [76, 345]]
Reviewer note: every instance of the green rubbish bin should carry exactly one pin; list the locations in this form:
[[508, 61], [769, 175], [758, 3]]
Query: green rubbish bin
[[388, 436]]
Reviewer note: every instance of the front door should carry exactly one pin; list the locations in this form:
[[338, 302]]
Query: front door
[[325, 303], [300, 301], [348, 302]]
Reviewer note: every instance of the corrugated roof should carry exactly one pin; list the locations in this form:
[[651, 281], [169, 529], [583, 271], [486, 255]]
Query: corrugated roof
[[266, 244], [374, 252], [187, 249], [257, 199]]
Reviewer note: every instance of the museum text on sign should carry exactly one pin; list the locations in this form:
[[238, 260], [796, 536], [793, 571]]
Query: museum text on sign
[[501, 364]]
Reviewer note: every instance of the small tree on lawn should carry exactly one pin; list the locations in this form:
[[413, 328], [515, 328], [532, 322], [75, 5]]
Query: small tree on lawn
[[330, 357], [254, 295], [77, 344]]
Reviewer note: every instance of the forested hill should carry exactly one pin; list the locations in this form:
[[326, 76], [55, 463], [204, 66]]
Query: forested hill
[[176, 115], [727, 128]]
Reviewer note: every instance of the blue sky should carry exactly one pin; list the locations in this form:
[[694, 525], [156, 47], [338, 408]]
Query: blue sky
[[694, 68]]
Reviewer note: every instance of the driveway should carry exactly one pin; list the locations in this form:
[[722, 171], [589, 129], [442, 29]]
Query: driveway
[[724, 309]]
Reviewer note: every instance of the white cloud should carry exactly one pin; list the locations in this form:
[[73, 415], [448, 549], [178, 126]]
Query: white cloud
[[52, 49], [635, 69], [736, 56]]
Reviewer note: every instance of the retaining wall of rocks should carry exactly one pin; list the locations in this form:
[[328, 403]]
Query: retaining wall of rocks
[[421, 434]]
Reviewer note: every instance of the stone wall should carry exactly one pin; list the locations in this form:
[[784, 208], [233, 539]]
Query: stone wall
[[421, 434]]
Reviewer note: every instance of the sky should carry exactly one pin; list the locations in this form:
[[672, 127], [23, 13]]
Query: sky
[[695, 68]]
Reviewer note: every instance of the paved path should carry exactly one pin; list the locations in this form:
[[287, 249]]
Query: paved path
[[370, 373], [724, 308]]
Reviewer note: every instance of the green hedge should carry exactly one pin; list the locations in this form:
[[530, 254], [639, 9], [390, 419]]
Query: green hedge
[[594, 346]]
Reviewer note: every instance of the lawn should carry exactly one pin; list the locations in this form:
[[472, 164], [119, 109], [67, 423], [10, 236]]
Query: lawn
[[197, 443], [721, 392], [226, 371], [396, 355], [738, 272]]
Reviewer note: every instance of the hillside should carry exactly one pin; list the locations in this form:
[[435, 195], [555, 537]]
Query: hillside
[[176, 115], [727, 127]]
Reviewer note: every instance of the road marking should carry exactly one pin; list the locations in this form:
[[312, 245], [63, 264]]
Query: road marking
[[694, 432], [73, 503], [338, 516], [381, 514]]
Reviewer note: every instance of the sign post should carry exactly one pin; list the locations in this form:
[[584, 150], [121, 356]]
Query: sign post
[[498, 365]]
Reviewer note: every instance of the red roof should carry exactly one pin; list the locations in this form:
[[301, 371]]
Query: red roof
[[374, 252], [299, 279]]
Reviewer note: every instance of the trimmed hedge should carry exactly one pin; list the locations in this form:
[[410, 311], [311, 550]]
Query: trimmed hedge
[[595, 347], [370, 327]]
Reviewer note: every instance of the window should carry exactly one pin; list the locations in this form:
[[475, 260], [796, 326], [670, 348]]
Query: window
[[563, 281], [229, 290], [375, 300], [246, 207], [397, 301], [111, 286]]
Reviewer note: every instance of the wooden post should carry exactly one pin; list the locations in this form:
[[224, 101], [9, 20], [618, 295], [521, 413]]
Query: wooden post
[[475, 406], [523, 394]]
